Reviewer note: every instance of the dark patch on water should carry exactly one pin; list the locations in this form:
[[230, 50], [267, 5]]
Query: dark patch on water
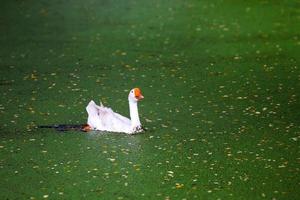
[[77, 127], [65, 127], [5, 83]]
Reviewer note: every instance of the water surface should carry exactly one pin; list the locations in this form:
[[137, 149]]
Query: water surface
[[221, 86]]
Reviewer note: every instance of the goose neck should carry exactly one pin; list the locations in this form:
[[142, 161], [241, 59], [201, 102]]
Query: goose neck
[[134, 114]]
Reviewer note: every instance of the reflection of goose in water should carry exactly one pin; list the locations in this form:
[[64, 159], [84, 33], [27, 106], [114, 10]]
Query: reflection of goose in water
[[105, 119], [65, 127]]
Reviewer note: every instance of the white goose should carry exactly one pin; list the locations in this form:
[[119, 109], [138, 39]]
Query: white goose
[[105, 119]]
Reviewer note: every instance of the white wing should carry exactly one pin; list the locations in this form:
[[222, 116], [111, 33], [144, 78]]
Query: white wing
[[103, 118]]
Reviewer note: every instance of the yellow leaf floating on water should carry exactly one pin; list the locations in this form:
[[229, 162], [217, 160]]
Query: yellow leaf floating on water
[[179, 185], [148, 120], [33, 77], [164, 126]]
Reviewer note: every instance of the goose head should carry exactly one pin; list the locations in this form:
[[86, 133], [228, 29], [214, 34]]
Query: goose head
[[135, 95]]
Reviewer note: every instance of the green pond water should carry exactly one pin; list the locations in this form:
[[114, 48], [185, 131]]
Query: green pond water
[[221, 81]]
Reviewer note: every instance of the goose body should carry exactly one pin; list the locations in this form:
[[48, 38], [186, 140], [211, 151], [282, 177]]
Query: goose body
[[105, 119]]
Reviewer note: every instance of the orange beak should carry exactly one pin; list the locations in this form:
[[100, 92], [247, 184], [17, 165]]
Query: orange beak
[[137, 93], [139, 97]]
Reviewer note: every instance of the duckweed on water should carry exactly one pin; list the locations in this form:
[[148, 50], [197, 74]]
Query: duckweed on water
[[221, 82]]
